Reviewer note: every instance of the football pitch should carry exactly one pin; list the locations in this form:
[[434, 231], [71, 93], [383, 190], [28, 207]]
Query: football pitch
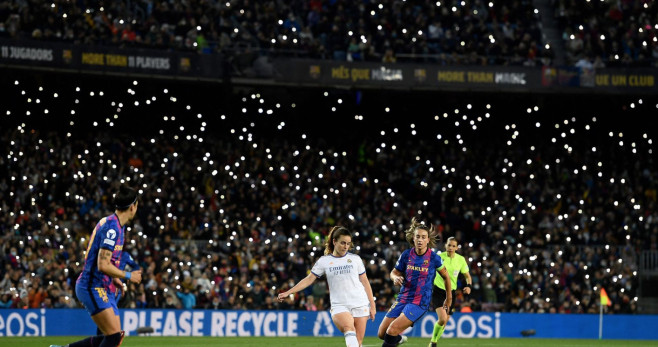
[[150, 341]]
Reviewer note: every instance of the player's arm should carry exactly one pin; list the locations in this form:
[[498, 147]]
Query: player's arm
[[366, 284], [301, 285], [127, 259], [118, 284], [446, 281], [397, 276], [105, 266]]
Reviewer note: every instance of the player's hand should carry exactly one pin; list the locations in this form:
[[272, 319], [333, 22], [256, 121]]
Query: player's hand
[[373, 311], [282, 296], [136, 276], [467, 290], [398, 281], [118, 285], [447, 303]]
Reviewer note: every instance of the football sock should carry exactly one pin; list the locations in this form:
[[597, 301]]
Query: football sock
[[391, 341], [93, 341], [438, 330], [113, 340], [350, 339]]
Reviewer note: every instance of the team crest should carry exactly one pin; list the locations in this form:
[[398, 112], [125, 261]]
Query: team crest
[[420, 75], [314, 71], [185, 64], [426, 262], [349, 260], [67, 56], [102, 294]]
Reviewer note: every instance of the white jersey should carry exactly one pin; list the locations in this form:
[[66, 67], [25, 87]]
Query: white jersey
[[342, 273]]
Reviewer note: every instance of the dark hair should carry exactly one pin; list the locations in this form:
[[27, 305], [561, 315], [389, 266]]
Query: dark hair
[[335, 233], [432, 233], [124, 198]]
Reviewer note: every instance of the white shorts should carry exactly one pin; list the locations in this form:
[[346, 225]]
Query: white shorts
[[355, 311]]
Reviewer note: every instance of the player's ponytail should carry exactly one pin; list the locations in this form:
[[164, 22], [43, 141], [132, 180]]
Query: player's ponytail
[[431, 231], [335, 233]]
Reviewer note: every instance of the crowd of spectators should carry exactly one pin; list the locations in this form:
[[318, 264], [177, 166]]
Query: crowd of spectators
[[595, 33], [445, 32], [235, 202], [609, 33]]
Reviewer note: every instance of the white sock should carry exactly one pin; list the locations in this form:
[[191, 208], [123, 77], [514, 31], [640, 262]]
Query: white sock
[[350, 339]]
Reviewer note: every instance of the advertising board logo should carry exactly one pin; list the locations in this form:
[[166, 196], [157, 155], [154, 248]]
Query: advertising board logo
[[323, 325]]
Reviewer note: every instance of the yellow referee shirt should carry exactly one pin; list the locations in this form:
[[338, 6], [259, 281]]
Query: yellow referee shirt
[[454, 266]]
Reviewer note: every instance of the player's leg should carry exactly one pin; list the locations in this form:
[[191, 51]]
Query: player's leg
[[393, 335], [410, 314], [361, 315], [383, 326], [438, 298], [94, 301], [345, 323], [110, 324], [360, 325], [439, 326], [115, 306], [393, 313]]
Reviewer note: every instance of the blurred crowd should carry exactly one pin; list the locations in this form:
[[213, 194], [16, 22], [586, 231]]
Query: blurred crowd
[[234, 207], [609, 33], [595, 33], [444, 32]]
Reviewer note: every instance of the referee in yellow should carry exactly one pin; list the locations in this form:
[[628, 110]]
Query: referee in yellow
[[455, 264]]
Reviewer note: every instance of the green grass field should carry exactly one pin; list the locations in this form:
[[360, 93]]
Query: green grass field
[[148, 341]]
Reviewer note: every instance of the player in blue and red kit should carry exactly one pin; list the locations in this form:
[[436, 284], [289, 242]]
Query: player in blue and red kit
[[117, 290], [414, 272], [101, 270]]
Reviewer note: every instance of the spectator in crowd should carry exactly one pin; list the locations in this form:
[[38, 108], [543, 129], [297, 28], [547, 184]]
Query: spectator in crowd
[[187, 298]]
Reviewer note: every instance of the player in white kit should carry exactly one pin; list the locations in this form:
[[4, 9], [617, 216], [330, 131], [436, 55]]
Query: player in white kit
[[349, 289]]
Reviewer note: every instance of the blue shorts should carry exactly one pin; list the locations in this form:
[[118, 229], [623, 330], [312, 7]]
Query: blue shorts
[[96, 300], [412, 311]]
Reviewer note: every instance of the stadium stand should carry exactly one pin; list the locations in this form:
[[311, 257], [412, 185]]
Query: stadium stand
[[445, 32], [608, 33], [594, 33], [235, 201]]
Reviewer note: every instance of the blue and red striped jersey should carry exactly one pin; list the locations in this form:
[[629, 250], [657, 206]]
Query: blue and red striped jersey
[[419, 272], [107, 234]]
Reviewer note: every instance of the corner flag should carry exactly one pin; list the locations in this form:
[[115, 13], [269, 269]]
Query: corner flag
[[604, 298], [605, 301]]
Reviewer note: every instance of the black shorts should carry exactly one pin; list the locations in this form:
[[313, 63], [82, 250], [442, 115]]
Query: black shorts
[[439, 296]]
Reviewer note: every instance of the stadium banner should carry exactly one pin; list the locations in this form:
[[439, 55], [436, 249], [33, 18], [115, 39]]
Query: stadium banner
[[404, 75], [109, 59], [321, 73], [601, 79], [165, 322], [483, 78]]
